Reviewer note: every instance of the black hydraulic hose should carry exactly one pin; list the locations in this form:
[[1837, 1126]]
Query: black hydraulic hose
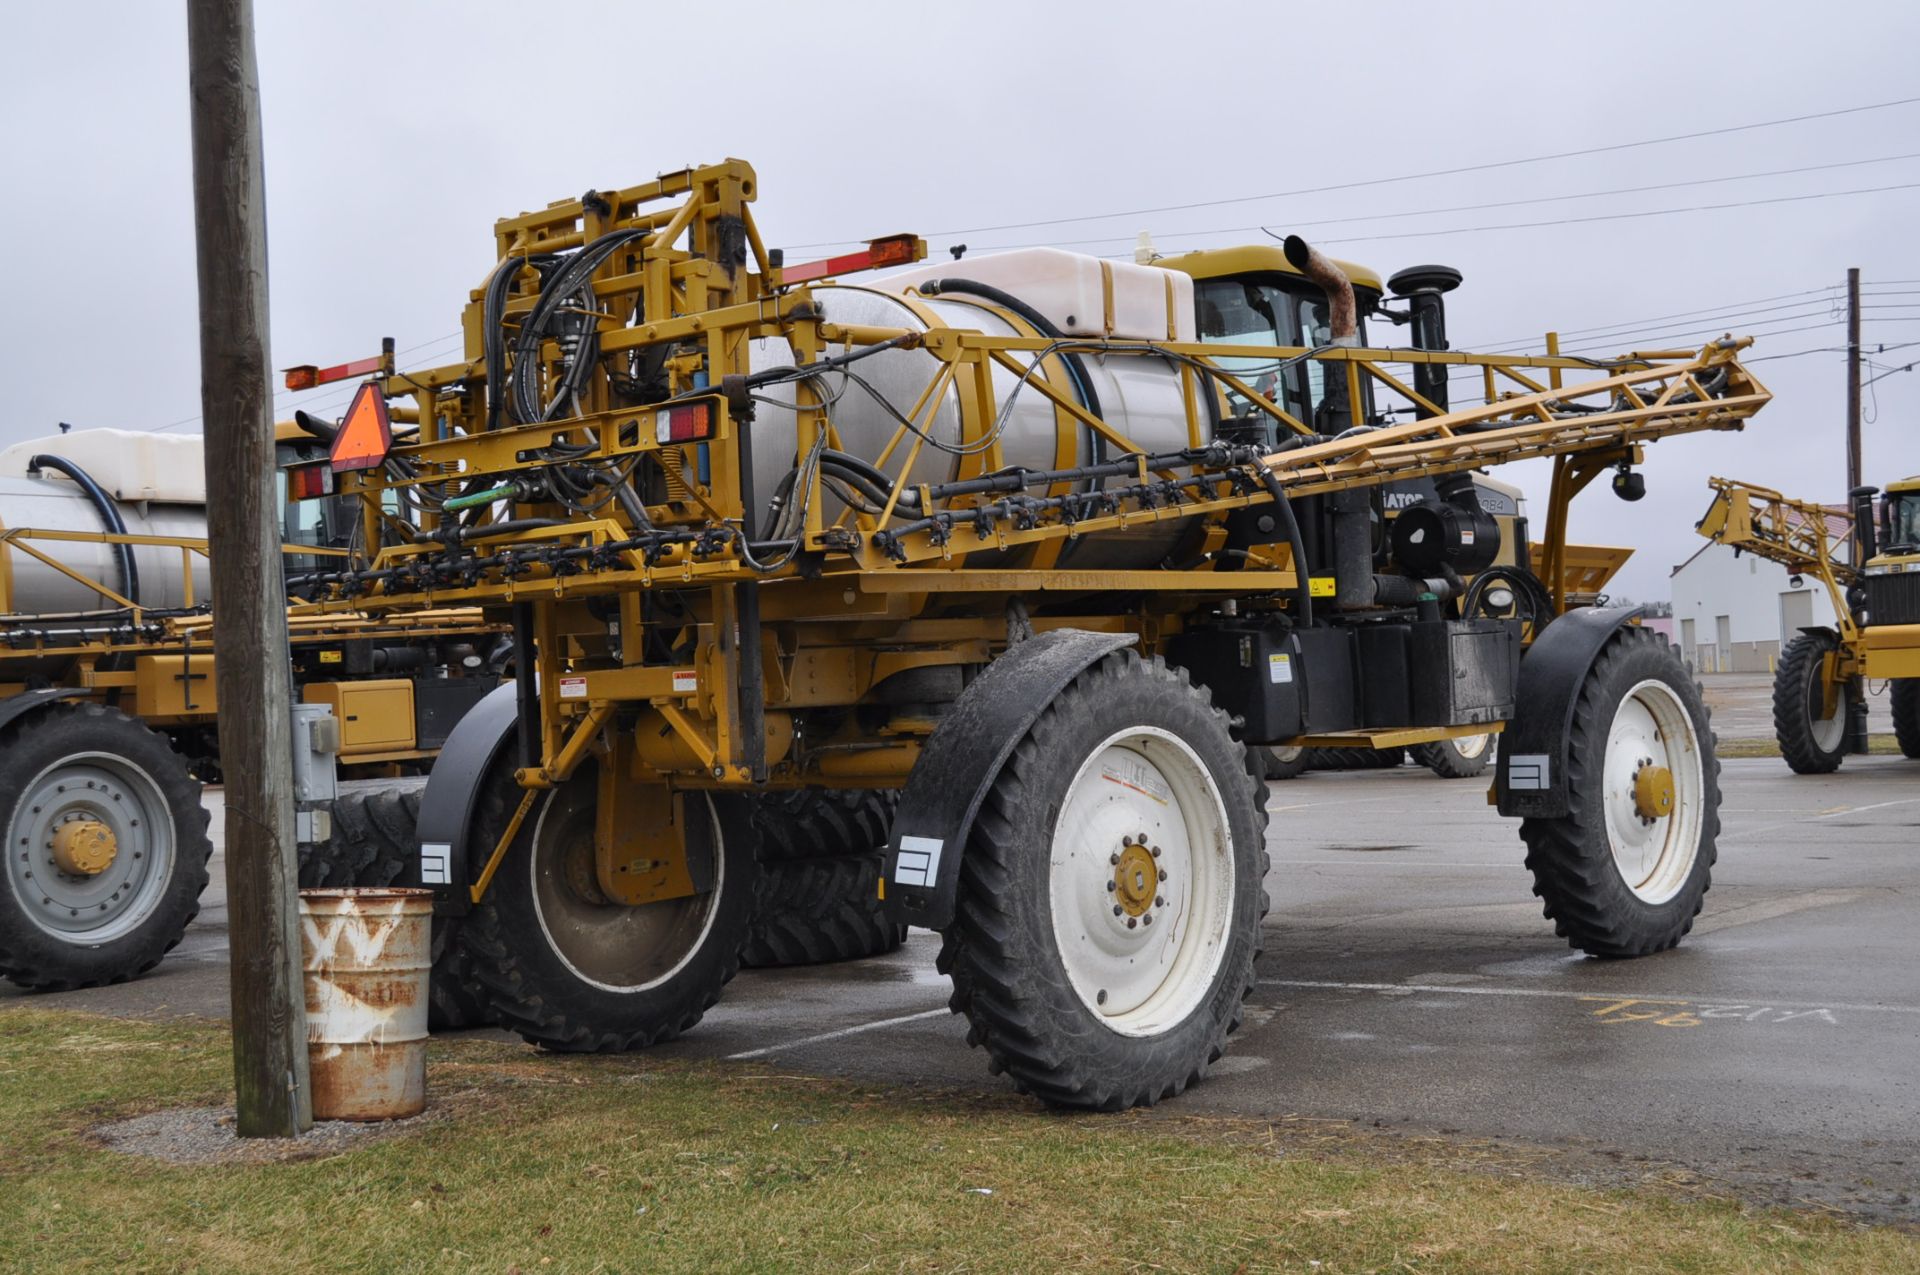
[[1083, 380], [109, 516], [1302, 572]]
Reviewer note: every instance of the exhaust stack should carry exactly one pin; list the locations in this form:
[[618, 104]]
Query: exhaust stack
[[1343, 315]]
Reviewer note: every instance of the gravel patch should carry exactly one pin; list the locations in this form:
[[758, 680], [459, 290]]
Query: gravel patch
[[205, 1135]]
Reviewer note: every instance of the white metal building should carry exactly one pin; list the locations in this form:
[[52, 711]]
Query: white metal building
[[1733, 614]]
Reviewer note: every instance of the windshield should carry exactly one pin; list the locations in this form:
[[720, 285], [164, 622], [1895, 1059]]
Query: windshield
[[1903, 520], [1236, 312], [1275, 310]]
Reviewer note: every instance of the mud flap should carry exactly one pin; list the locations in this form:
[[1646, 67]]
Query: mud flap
[[453, 790], [1531, 781], [961, 761]]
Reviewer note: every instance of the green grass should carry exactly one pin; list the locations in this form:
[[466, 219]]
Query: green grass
[[565, 1164], [1878, 745]]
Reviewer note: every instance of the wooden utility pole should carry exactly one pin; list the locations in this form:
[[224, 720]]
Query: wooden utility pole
[[251, 665], [1853, 378]]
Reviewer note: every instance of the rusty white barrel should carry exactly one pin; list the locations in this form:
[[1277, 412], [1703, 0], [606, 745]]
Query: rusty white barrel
[[367, 953]]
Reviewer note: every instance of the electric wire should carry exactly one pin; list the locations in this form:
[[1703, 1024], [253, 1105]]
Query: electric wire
[[1419, 176]]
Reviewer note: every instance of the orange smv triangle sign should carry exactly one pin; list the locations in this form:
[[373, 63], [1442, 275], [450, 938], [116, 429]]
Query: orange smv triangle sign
[[366, 436]]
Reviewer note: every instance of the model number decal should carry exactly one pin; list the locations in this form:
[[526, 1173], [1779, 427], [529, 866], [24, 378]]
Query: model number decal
[[918, 862], [1529, 772]]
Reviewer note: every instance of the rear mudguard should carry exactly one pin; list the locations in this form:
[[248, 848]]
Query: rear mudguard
[[1531, 781], [963, 758], [17, 706], [453, 791]]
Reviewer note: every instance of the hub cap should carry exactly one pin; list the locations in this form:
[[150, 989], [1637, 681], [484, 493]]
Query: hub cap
[[1653, 791], [90, 848], [1471, 746], [1141, 882], [1828, 721]]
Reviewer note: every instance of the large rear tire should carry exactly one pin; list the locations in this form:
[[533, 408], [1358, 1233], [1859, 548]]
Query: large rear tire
[[568, 970], [1111, 893], [1462, 757], [1906, 715], [1811, 743], [1618, 877], [106, 848]]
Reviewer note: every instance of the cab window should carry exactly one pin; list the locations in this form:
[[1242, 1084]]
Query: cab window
[[1239, 312]]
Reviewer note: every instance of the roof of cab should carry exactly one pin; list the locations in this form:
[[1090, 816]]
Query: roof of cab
[[1256, 258]]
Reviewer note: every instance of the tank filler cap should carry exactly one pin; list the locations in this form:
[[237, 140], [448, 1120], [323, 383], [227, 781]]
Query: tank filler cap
[[1406, 283]]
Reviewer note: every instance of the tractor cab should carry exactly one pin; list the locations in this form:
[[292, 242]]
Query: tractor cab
[[1253, 295], [1891, 573]]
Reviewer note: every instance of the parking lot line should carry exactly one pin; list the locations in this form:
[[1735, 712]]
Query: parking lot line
[[823, 1037], [1448, 989]]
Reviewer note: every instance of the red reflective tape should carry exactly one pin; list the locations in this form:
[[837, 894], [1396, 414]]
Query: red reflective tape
[[308, 376], [831, 266]]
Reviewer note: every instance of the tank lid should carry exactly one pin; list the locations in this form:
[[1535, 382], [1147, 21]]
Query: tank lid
[[131, 465]]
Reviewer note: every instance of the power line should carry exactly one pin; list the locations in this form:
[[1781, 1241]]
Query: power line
[[1733, 310], [1622, 216], [284, 394], [1502, 203], [1407, 177]]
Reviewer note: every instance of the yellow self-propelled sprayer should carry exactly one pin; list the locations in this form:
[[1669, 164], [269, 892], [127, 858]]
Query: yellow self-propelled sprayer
[[1051, 545]]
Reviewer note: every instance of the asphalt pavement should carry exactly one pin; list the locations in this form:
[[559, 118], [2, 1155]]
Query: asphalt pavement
[[1410, 984]]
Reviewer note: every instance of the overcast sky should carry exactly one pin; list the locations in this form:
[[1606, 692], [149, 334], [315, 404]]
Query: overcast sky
[[396, 133]]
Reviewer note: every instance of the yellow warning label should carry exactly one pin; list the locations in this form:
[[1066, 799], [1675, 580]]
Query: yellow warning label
[[332, 657], [1320, 586]]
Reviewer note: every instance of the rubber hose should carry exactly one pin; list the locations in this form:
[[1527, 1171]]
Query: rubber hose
[[1303, 574], [109, 516], [1076, 367]]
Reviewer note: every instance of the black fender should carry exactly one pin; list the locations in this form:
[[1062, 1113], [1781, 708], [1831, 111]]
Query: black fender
[[18, 706], [1531, 778], [453, 790], [963, 758]]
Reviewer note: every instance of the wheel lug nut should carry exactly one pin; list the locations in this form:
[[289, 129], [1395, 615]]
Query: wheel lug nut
[[1142, 838], [1126, 841], [1117, 909], [1113, 858], [1131, 922], [1163, 874], [1159, 901], [1147, 920], [1112, 886], [1100, 998], [1156, 852]]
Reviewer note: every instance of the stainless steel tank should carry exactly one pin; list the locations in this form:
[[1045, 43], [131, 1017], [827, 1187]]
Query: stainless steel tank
[[56, 504], [1139, 396]]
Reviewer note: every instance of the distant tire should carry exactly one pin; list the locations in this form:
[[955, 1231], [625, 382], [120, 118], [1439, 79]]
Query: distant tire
[[1810, 743], [1906, 715], [1354, 758], [1056, 962], [1462, 757], [1616, 879], [816, 911], [106, 848], [374, 843], [1285, 763], [574, 972], [820, 823]]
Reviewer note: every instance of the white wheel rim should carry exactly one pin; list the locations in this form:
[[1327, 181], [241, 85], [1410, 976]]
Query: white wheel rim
[[1144, 979], [1654, 856], [1471, 746], [1286, 754], [1830, 731]]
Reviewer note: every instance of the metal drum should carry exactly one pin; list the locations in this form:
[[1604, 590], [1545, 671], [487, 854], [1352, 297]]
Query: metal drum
[[367, 953]]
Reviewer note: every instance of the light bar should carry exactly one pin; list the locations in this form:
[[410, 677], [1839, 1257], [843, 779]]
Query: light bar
[[893, 250], [307, 376]]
